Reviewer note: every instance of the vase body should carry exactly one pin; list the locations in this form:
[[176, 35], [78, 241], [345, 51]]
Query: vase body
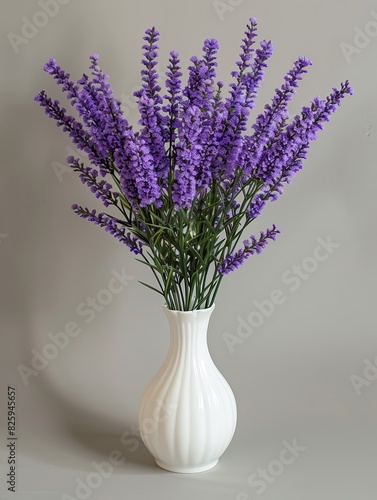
[[187, 414]]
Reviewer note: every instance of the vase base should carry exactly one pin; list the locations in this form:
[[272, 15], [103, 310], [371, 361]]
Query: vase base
[[187, 470]]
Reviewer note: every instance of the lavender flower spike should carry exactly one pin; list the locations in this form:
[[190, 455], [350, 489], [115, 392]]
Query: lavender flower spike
[[89, 176], [273, 120], [174, 93], [188, 159], [111, 226], [234, 261], [237, 106]]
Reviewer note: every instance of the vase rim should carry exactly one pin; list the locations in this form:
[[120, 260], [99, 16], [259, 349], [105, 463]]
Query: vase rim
[[207, 309]]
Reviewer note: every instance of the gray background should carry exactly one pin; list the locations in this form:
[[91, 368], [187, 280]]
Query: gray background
[[294, 376]]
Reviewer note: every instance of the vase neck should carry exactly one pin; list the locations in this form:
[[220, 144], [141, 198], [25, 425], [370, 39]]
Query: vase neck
[[188, 332]]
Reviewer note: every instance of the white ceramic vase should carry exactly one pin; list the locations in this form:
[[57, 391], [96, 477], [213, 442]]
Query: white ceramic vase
[[187, 414]]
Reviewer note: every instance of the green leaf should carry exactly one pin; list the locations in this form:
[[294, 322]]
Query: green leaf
[[151, 287], [168, 282]]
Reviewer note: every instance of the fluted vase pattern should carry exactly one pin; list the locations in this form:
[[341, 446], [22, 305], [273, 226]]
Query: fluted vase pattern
[[187, 414]]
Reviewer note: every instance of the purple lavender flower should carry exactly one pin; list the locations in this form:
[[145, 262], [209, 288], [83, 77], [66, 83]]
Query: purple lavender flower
[[194, 90], [174, 95], [234, 261], [62, 78], [256, 206], [201, 103], [238, 105], [138, 177], [212, 130], [155, 132], [247, 50], [100, 112], [80, 137], [209, 63], [149, 77], [288, 152], [111, 226], [152, 136], [103, 190], [188, 159], [200, 87], [269, 124], [86, 102], [146, 179]]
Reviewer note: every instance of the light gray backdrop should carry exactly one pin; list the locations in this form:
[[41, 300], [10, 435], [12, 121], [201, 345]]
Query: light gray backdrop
[[303, 369]]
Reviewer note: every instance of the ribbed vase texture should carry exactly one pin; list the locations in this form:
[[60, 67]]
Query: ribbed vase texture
[[187, 414]]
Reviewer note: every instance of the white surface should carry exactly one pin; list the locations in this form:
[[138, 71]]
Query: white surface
[[291, 376]]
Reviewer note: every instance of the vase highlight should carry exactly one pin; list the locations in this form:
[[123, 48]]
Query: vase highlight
[[187, 414]]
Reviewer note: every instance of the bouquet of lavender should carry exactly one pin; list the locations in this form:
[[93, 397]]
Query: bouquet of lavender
[[189, 181]]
